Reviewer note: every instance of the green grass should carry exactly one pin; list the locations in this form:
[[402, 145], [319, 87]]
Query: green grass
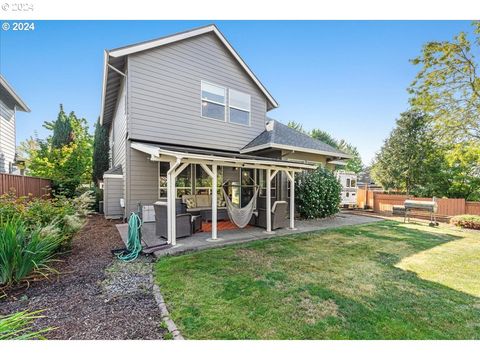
[[346, 283]]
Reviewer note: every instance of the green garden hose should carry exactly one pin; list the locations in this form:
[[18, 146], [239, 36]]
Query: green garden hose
[[134, 246]]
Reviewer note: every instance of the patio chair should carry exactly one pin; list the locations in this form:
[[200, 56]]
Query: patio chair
[[183, 219], [279, 216]]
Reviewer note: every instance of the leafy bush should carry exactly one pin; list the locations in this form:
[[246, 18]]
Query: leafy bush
[[17, 326], [23, 251], [317, 194], [466, 221], [60, 212]]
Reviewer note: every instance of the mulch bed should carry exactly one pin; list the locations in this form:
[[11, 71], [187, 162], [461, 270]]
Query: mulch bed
[[76, 303]]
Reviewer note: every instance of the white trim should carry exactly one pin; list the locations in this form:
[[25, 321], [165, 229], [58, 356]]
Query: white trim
[[188, 34], [294, 148], [112, 176], [19, 102], [157, 154], [104, 84]]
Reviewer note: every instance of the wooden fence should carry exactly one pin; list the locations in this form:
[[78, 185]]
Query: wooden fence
[[381, 202], [24, 185]]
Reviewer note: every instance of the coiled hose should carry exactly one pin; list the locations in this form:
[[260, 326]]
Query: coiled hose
[[134, 245]]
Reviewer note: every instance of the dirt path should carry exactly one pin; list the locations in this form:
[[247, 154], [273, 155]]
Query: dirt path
[[95, 297]]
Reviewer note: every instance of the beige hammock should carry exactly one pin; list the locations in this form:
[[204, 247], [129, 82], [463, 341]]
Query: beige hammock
[[240, 216]]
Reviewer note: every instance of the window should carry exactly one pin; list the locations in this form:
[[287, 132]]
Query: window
[[353, 183], [213, 101], [183, 183], [203, 181], [262, 176], [239, 107], [348, 182]]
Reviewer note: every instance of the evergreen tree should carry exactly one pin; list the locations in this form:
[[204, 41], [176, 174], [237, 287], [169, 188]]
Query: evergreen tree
[[101, 151], [325, 137]]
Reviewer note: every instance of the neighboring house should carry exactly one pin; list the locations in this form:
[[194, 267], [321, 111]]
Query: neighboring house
[[9, 103], [187, 107]]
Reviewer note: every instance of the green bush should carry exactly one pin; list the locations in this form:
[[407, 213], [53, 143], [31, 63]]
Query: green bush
[[25, 251], [317, 194], [60, 212], [466, 221], [17, 326]]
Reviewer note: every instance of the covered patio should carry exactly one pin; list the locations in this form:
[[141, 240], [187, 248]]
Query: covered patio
[[211, 162], [202, 240]]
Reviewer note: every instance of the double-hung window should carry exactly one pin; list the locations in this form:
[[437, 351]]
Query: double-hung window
[[213, 101], [239, 107]]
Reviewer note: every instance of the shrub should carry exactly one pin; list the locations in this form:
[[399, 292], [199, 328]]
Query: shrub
[[24, 251], [17, 326], [317, 194], [466, 221]]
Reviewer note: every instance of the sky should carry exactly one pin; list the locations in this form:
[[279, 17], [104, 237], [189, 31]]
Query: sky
[[348, 78]]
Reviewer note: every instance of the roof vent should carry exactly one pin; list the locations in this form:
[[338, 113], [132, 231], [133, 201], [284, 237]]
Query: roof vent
[[269, 125]]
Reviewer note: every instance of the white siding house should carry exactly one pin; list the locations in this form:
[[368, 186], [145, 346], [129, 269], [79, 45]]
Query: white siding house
[[9, 103]]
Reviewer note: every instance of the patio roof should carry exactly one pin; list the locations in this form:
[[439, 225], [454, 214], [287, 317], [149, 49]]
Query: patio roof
[[191, 155]]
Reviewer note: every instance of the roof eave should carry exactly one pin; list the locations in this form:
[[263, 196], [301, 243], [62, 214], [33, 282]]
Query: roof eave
[[295, 148], [104, 85], [127, 50], [19, 103]]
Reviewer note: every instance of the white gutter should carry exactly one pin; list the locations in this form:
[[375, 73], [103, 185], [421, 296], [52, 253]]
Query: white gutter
[[294, 148]]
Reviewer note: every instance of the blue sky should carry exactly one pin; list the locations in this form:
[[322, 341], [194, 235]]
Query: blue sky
[[346, 77]]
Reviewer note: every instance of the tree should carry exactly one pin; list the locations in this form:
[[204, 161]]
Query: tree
[[355, 164], [410, 160], [447, 87], [324, 136], [101, 150], [296, 126], [65, 157]]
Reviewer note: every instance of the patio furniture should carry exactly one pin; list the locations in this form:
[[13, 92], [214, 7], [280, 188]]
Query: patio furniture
[[279, 216], [183, 219], [202, 204], [196, 223]]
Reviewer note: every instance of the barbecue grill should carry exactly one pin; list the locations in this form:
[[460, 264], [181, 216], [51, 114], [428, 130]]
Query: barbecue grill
[[427, 206]]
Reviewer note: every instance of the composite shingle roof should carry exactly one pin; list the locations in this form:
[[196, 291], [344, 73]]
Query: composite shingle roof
[[278, 135]]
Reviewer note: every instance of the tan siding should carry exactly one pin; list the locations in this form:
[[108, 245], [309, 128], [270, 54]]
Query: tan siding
[[113, 191]]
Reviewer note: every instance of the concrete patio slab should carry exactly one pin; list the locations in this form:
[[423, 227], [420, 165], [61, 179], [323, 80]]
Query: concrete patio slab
[[200, 241]]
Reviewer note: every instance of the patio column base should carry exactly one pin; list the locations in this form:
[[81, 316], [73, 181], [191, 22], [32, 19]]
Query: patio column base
[[268, 232], [292, 229], [214, 240]]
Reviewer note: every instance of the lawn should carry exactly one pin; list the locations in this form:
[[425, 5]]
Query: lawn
[[346, 283]]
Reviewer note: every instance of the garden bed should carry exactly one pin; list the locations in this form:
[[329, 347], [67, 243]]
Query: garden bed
[[93, 297]]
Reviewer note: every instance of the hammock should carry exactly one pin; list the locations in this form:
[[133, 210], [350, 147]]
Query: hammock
[[240, 216]]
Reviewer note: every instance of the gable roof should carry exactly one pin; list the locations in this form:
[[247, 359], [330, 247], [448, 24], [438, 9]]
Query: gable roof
[[280, 136], [9, 96], [116, 58]]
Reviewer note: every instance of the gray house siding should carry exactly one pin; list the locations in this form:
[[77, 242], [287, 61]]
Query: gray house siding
[[142, 180], [7, 136], [165, 89], [113, 192]]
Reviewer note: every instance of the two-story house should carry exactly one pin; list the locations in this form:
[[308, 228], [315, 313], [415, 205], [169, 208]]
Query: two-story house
[[9, 103], [186, 114]]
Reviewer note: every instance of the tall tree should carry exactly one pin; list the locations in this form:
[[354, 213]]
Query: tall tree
[[325, 137], [447, 87], [101, 150], [410, 157], [296, 125], [354, 164], [66, 160]]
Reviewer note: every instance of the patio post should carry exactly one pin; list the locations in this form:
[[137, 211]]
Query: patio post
[[291, 178], [214, 202], [269, 201]]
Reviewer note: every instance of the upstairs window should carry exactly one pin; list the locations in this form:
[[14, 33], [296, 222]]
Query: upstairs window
[[239, 107], [213, 101]]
